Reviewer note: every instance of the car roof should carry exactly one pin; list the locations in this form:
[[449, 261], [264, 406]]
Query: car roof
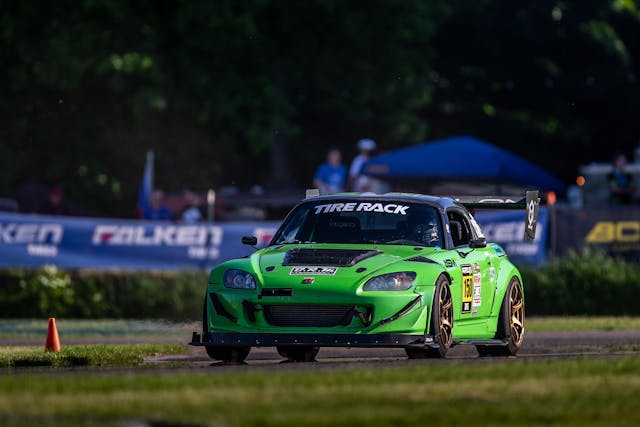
[[441, 202]]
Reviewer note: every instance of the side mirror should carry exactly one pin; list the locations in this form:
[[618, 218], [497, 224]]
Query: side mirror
[[478, 243], [250, 240]]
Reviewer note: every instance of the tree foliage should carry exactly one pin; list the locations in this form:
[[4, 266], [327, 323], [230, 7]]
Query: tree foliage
[[230, 92]]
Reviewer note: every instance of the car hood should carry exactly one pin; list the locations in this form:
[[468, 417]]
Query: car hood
[[289, 265]]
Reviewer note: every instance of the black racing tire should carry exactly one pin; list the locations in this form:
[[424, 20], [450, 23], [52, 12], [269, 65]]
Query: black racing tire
[[298, 353], [225, 354], [441, 323], [510, 323], [205, 323], [228, 354]]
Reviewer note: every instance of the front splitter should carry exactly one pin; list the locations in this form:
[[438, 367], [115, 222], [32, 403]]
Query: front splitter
[[218, 339]]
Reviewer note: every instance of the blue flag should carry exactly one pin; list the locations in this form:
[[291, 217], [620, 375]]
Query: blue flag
[[146, 186]]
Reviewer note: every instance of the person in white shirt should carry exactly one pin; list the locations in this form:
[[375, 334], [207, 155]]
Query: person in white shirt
[[191, 214], [357, 181]]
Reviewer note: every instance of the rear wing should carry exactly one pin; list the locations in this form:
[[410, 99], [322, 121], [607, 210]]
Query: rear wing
[[530, 203]]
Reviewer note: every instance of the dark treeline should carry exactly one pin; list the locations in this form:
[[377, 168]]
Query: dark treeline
[[254, 92]]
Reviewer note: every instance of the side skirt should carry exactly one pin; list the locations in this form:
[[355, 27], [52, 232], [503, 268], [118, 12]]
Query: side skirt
[[491, 342]]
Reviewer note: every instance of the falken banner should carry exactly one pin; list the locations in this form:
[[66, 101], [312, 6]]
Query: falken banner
[[93, 243], [35, 240], [507, 229]]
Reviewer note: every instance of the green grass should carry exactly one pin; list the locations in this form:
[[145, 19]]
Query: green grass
[[581, 323], [81, 328], [84, 355], [575, 392]]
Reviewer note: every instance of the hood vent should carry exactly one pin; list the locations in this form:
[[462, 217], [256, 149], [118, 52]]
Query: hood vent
[[327, 257], [422, 259]]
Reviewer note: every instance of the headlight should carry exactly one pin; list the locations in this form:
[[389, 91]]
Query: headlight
[[391, 282], [238, 279]]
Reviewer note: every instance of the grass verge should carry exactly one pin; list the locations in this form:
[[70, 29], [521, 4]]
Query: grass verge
[[577, 392], [582, 323], [85, 355], [98, 328]]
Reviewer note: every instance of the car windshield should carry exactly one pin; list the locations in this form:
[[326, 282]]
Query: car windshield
[[362, 221]]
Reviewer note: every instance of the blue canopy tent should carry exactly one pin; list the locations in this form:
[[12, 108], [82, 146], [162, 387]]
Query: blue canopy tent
[[460, 159]]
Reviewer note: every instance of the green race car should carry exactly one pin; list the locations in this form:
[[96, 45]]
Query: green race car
[[366, 270]]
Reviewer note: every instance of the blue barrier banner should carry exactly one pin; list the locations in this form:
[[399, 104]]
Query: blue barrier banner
[[35, 240], [507, 229], [95, 243]]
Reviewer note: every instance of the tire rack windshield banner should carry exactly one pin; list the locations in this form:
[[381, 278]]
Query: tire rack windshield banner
[[94, 243]]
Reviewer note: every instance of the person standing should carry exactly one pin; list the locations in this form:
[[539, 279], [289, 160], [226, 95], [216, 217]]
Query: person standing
[[55, 204], [331, 176], [191, 214], [156, 210], [357, 181], [620, 182]]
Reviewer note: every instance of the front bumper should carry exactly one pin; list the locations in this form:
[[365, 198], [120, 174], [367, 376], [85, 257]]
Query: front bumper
[[226, 339], [237, 312]]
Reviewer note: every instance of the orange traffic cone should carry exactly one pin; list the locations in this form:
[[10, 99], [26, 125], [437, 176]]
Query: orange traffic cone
[[53, 341]]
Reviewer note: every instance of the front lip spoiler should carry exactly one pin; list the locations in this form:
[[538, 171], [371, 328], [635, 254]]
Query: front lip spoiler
[[216, 339]]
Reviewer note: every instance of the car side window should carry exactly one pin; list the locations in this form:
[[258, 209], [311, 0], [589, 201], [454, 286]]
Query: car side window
[[460, 228]]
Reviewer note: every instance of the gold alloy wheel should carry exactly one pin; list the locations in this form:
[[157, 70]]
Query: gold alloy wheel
[[446, 316], [516, 323]]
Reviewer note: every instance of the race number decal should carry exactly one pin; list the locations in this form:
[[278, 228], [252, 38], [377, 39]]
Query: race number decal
[[467, 288]]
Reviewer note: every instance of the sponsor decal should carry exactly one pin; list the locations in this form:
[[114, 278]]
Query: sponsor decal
[[506, 232], [21, 234], [497, 250], [390, 208], [336, 223], [318, 271], [531, 209], [41, 239], [496, 201], [202, 241], [614, 232], [477, 289], [169, 235], [532, 215], [616, 236], [449, 263], [308, 280], [467, 288]]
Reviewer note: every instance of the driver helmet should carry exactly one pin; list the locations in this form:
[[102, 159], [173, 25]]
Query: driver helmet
[[424, 228]]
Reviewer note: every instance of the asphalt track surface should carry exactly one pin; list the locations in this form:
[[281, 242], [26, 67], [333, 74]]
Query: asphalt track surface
[[537, 345]]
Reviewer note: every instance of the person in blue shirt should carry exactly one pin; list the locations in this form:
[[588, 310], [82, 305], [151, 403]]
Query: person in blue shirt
[[156, 210], [620, 182], [331, 177]]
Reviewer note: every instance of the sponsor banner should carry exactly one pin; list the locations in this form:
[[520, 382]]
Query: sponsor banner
[[68, 242], [507, 228], [615, 230], [34, 240]]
